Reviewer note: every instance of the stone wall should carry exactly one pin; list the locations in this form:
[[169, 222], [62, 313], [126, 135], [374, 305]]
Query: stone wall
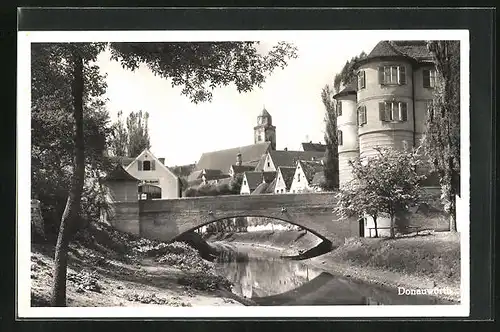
[[125, 217], [166, 219]]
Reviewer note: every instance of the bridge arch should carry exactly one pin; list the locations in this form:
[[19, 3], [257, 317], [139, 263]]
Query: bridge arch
[[167, 219], [322, 237]]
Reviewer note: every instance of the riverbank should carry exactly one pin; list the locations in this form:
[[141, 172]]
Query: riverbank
[[108, 268], [419, 262]]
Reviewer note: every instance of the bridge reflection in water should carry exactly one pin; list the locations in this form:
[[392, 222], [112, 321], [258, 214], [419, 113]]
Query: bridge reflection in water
[[274, 281]]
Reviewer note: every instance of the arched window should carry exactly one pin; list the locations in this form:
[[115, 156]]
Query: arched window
[[340, 138]]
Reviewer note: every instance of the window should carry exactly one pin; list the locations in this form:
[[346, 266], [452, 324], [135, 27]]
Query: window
[[148, 165], [268, 164], [361, 80], [298, 177], [339, 108], [392, 75], [429, 78], [245, 182], [361, 115], [393, 111], [339, 137]]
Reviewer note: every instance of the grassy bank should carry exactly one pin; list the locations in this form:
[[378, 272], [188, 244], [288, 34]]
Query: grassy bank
[[109, 268], [420, 262]]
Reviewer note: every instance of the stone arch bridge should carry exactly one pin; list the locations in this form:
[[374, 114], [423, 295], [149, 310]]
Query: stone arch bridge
[[166, 219]]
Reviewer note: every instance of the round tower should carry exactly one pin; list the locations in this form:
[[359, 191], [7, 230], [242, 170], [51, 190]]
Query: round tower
[[348, 143], [385, 100]]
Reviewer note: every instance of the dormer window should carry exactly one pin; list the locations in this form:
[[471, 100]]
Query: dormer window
[[392, 75]]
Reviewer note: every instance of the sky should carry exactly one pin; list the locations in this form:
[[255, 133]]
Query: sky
[[181, 131]]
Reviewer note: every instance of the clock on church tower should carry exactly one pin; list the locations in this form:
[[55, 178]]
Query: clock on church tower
[[265, 131]]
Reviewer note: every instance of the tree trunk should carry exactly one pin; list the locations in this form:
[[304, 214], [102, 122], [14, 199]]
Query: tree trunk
[[392, 226], [72, 211], [453, 215], [375, 224]]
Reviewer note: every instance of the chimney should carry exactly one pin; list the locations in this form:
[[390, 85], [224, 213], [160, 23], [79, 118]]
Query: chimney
[[285, 149], [310, 142], [238, 159], [162, 160]]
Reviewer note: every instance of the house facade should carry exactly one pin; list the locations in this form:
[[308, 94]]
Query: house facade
[[387, 104], [284, 178], [304, 174], [156, 180]]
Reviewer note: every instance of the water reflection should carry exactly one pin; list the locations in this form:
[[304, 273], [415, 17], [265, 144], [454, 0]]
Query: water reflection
[[269, 280]]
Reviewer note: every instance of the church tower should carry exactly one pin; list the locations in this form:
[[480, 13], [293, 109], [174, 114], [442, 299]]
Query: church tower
[[265, 131]]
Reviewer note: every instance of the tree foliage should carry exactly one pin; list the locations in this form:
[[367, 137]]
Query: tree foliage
[[347, 74], [64, 80], [331, 167], [118, 144], [442, 136], [201, 67], [387, 183]]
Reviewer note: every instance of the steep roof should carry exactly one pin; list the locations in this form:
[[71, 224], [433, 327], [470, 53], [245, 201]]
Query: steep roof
[[253, 179], [319, 147], [120, 174], [237, 169], [223, 159], [349, 89], [268, 176], [287, 173], [415, 50], [261, 189], [196, 175], [290, 158], [318, 178], [310, 168]]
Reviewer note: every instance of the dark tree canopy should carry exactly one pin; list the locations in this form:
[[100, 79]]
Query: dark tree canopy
[[331, 168], [347, 74], [200, 67], [442, 136]]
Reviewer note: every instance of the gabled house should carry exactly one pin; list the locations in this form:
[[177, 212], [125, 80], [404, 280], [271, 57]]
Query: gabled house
[[305, 172], [156, 180], [251, 180], [240, 169], [275, 159], [284, 178]]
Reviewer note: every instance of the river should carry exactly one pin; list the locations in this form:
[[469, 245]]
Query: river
[[261, 275]]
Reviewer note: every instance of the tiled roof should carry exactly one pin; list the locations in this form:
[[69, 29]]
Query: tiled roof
[[310, 168], [120, 174], [242, 168], [253, 179], [261, 163], [261, 189], [287, 173], [271, 187], [350, 88], [314, 147], [268, 176], [290, 158], [318, 178], [223, 159], [416, 50]]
